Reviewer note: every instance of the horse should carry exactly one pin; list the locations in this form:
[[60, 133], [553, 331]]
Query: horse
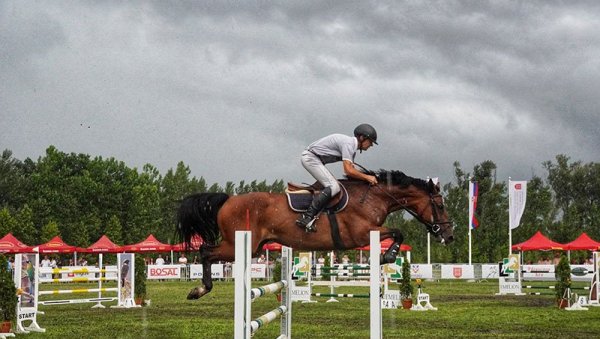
[[216, 216]]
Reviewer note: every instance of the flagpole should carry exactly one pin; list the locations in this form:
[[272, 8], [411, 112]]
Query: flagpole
[[509, 228], [470, 215]]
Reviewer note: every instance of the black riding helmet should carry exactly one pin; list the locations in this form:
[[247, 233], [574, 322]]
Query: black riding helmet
[[367, 131]]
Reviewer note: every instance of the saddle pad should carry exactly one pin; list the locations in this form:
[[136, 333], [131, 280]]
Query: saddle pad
[[299, 201]]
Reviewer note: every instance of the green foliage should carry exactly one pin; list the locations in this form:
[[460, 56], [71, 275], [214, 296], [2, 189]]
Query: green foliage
[[277, 270], [49, 231], [8, 223], [140, 277], [26, 232], [8, 292], [563, 276], [406, 287], [114, 231]]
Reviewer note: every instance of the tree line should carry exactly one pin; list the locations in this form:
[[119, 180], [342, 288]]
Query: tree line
[[81, 198]]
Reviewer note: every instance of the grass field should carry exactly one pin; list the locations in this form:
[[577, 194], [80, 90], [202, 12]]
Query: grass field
[[465, 310]]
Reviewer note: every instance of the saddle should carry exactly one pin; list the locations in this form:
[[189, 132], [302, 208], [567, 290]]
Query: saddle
[[300, 196]]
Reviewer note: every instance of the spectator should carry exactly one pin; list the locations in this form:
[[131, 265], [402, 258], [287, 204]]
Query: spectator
[[321, 260], [261, 259], [182, 259], [345, 259], [159, 260]]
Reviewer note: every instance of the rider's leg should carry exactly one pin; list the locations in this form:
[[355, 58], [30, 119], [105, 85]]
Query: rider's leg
[[308, 218], [315, 167]]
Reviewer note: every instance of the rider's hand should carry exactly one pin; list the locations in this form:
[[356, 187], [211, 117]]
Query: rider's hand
[[372, 180]]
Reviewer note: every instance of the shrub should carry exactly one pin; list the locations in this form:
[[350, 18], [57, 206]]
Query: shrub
[[140, 278], [563, 277], [8, 292], [406, 287]]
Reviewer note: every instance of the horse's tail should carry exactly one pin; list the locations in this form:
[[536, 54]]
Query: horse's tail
[[198, 215]]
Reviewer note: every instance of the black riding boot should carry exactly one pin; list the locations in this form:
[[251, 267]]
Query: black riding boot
[[308, 218]]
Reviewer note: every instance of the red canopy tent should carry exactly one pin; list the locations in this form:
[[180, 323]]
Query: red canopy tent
[[10, 244], [197, 241], [385, 245], [583, 242], [150, 244], [538, 242], [272, 246], [103, 245], [57, 245]]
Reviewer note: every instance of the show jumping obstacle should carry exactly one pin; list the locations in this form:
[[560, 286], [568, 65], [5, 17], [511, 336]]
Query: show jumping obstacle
[[244, 327], [510, 282]]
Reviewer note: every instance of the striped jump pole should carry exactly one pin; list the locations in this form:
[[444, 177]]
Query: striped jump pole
[[340, 295], [244, 327]]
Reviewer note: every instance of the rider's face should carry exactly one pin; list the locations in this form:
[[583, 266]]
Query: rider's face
[[365, 143]]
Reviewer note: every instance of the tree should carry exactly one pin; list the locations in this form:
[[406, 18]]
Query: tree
[[26, 231], [49, 231], [114, 230], [8, 223]]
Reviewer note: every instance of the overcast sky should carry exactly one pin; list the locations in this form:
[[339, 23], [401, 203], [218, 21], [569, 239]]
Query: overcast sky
[[237, 89]]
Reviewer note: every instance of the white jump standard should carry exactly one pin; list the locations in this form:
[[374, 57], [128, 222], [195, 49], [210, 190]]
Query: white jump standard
[[244, 327]]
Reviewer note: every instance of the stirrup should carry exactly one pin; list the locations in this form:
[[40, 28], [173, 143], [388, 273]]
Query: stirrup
[[311, 227]]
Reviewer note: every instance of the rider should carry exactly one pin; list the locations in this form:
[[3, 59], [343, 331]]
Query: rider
[[334, 148]]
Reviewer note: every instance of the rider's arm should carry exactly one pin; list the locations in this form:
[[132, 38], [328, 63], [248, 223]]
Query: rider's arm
[[352, 172]]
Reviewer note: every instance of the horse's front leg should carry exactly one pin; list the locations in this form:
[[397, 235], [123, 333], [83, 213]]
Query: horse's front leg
[[390, 255]]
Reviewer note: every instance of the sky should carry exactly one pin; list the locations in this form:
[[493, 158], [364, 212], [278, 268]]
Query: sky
[[237, 89]]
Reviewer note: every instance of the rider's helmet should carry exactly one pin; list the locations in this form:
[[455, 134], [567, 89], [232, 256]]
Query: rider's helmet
[[367, 131]]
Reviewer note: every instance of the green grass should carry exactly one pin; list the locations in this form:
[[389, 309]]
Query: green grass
[[464, 310]]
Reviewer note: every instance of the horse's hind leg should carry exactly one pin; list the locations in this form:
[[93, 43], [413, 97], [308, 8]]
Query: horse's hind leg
[[390, 255], [207, 284]]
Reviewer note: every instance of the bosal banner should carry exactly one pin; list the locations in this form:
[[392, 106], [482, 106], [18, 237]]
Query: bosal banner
[[517, 194]]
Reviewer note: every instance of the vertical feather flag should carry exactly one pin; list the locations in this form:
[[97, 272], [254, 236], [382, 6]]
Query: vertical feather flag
[[473, 193]]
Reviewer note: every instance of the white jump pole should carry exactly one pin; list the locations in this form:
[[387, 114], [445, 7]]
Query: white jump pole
[[375, 286]]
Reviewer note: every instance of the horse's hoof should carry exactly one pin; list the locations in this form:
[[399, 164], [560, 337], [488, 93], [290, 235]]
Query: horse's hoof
[[194, 294]]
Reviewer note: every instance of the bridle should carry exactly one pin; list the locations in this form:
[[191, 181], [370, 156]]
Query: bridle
[[433, 228]]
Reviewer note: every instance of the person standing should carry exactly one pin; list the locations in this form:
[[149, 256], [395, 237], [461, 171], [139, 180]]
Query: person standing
[[330, 149]]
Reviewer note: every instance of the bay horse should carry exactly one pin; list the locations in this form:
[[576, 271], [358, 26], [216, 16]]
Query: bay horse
[[216, 216]]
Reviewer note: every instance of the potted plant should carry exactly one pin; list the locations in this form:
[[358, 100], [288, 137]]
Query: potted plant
[[8, 296], [139, 292], [406, 287], [563, 281]]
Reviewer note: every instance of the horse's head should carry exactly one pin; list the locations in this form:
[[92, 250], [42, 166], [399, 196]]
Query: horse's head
[[422, 199]]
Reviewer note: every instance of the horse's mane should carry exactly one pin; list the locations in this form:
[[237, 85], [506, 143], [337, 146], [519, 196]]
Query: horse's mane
[[395, 178]]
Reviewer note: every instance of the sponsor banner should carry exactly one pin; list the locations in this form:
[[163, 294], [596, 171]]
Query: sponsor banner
[[421, 271], [489, 271], [390, 299], [509, 287], [257, 271], [300, 293], [458, 272], [216, 271], [164, 271]]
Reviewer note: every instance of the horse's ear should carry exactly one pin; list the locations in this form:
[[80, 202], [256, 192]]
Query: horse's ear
[[430, 186]]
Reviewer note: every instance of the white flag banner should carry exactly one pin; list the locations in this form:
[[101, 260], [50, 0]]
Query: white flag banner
[[517, 194]]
